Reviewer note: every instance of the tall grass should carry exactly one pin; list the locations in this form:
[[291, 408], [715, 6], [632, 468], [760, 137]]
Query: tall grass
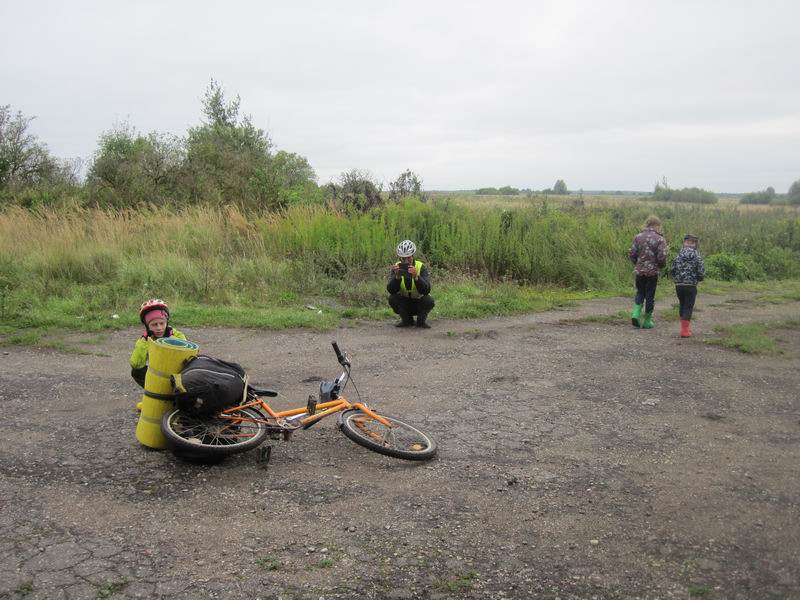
[[79, 261]]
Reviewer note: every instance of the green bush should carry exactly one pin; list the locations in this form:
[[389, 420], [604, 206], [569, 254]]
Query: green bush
[[730, 267], [356, 190], [780, 263], [130, 169]]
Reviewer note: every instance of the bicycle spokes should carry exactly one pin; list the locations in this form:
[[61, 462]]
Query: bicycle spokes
[[221, 431]]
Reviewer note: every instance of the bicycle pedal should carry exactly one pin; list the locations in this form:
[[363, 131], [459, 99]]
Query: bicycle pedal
[[287, 434], [263, 455], [311, 407]]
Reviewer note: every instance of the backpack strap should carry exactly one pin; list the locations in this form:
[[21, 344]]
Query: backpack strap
[[159, 396]]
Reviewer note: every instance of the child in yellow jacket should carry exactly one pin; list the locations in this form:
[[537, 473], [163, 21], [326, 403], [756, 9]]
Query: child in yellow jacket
[[154, 314]]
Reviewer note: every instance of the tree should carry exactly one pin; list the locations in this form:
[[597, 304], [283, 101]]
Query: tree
[[406, 184], [129, 169], [793, 194], [224, 153], [218, 113], [225, 159], [487, 191], [357, 190], [560, 188], [24, 160], [664, 193], [286, 179], [507, 190], [765, 197]]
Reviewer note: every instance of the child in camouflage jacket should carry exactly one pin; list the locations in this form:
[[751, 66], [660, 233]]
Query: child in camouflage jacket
[[649, 255], [687, 271]]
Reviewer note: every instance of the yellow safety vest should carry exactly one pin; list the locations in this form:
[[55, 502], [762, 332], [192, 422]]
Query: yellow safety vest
[[413, 293]]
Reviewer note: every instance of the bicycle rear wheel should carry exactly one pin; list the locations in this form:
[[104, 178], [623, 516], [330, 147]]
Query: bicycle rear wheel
[[401, 440], [215, 435]]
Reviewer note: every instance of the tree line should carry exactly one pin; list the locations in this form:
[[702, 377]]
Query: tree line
[[769, 196], [559, 189], [225, 159]]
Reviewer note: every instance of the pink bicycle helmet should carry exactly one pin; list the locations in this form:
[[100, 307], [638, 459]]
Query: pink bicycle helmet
[[152, 304]]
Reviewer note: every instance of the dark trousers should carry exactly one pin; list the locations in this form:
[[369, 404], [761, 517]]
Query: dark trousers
[[646, 291], [686, 296], [407, 308]]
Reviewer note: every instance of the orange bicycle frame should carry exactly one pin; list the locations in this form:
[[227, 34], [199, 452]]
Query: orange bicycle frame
[[323, 410]]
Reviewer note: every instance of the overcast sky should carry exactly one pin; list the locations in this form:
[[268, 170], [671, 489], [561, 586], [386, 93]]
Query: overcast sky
[[605, 95]]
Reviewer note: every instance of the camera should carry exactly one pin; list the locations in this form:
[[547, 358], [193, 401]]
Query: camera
[[403, 267]]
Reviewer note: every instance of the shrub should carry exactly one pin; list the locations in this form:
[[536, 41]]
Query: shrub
[[780, 263], [407, 184], [130, 169], [286, 179], [731, 267], [356, 190]]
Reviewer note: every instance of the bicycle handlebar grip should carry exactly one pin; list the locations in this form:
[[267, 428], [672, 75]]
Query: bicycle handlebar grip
[[339, 355]]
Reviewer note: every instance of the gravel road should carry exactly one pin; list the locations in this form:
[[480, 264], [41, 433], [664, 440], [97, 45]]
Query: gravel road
[[579, 458]]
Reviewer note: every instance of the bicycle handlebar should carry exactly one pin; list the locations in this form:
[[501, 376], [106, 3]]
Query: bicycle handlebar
[[340, 356]]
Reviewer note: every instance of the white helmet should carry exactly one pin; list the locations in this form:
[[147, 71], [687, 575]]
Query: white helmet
[[406, 248]]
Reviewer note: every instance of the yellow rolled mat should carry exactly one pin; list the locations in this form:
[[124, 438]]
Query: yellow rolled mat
[[166, 356]]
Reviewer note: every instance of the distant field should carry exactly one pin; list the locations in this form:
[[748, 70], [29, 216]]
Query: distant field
[[575, 199]]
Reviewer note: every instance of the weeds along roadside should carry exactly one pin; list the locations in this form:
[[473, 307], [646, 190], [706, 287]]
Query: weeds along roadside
[[312, 266]]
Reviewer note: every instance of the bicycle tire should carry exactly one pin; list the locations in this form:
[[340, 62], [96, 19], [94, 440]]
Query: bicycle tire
[[400, 441], [213, 435]]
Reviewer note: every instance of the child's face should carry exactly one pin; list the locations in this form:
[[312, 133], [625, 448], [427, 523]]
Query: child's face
[[158, 327], [689, 244]]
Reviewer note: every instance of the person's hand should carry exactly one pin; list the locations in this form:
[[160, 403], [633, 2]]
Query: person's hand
[[396, 271], [412, 270]]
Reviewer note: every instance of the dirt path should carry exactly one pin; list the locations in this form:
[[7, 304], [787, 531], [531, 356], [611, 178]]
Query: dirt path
[[564, 471]]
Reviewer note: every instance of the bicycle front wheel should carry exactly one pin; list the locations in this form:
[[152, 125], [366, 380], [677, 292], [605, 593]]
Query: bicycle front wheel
[[215, 435], [401, 440]]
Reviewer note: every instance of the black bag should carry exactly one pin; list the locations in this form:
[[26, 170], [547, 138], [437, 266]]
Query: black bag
[[208, 385]]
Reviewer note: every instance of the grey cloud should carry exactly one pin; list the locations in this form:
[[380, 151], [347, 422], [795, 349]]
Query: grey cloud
[[611, 94]]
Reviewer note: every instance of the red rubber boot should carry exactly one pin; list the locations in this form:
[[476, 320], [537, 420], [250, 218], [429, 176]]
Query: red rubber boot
[[686, 328]]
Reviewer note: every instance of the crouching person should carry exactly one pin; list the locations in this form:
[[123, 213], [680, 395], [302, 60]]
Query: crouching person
[[409, 287]]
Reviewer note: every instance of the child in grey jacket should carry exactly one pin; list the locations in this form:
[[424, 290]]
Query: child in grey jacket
[[687, 271]]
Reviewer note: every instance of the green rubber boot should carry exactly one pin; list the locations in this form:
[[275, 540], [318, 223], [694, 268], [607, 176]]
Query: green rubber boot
[[648, 320], [636, 315]]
